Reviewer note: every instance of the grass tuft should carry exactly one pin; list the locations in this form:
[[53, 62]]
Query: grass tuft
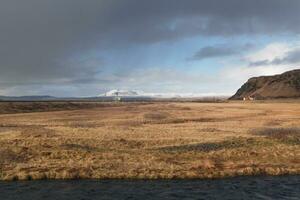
[[232, 143], [287, 135], [156, 116]]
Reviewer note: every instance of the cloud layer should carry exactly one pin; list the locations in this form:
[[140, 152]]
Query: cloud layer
[[42, 42]]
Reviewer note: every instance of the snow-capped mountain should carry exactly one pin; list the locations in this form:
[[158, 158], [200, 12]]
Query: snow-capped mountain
[[133, 93], [121, 93]]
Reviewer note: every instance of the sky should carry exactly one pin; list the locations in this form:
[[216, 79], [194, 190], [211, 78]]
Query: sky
[[85, 48]]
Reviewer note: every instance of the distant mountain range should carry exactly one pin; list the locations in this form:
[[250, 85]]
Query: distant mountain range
[[286, 85], [27, 98], [125, 95]]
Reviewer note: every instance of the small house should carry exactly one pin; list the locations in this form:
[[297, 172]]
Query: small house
[[248, 98]]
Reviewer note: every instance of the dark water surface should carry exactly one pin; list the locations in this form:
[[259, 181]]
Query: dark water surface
[[285, 187]]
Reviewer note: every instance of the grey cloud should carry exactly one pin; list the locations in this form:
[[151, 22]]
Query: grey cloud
[[291, 57], [220, 51], [37, 36], [161, 80], [211, 52], [259, 63]]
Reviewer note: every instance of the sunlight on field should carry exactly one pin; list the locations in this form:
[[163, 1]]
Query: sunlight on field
[[151, 140]]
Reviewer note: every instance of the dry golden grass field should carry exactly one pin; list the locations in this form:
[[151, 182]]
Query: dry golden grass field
[[148, 140]]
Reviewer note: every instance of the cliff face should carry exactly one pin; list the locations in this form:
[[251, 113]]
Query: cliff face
[[286, 85]]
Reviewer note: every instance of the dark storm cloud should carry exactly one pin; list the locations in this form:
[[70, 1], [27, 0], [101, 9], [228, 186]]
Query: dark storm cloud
[[36, 37], [219, 51], [291, 57]]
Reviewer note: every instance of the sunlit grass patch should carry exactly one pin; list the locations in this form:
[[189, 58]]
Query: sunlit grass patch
[[158, 140]]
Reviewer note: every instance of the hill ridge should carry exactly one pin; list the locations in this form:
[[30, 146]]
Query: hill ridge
[[285, 85]]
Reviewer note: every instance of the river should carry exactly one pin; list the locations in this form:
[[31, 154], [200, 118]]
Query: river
[[282, 187]]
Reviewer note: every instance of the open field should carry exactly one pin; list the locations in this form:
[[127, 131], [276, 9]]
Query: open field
[[149, 140]]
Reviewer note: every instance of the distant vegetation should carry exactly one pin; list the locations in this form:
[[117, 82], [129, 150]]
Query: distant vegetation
[[27, 107]]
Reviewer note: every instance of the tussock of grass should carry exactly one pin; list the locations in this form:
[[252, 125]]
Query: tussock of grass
[[156, 116], [210, 130], [37, 132], [185, 108], [77, 147], [217, 146], [287, 135], [9, 156], [28, 107]]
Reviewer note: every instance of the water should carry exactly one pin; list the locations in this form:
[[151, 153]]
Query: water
[[285, 187]]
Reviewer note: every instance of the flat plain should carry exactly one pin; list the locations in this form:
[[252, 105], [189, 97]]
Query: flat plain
[[148, 140]]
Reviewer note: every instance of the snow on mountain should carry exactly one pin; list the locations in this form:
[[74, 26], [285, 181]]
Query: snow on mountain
[[133, 93], [124, 93], [182, 95]]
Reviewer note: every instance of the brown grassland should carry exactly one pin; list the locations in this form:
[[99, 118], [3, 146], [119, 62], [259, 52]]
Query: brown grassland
[[148, 140]]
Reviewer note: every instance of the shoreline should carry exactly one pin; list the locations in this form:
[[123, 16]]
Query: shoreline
[[256, 175]]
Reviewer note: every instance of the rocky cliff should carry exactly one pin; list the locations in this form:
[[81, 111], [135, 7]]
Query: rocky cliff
[[286, 85]]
